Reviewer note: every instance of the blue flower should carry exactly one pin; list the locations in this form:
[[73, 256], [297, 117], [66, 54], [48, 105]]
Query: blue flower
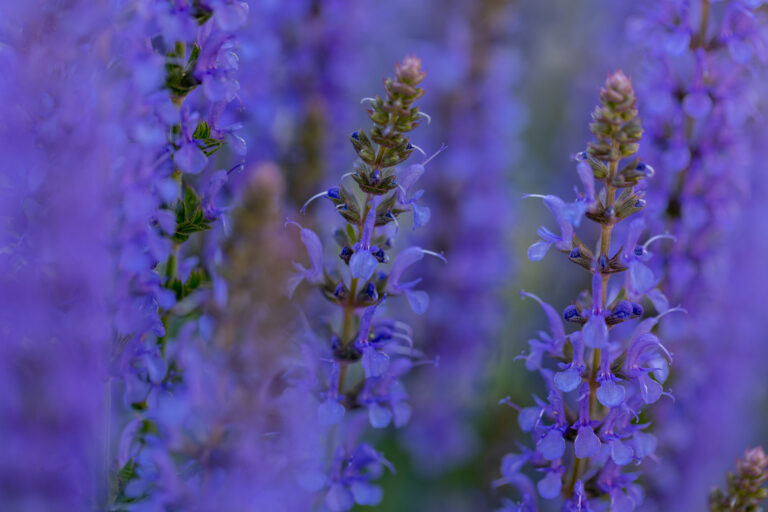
[[314, 247], [363, 262], [566, 216], [418, 299]]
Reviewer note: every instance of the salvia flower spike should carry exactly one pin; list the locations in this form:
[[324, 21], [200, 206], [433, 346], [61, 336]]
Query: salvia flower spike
[[586, 433], [381, 348]]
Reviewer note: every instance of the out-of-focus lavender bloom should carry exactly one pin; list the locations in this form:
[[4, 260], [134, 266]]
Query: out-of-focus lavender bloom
[[612, 384], [382, 346], [476, 76], [60, 142], [302, 85], [702, 83], [174, 123]]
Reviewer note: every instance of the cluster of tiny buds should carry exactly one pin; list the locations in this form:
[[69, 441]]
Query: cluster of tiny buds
[[745, 489]]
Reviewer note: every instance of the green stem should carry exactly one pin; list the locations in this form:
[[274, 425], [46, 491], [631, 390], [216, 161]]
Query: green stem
[[605, 248]]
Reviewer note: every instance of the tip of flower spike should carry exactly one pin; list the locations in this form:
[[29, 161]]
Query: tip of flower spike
[[619, 82], [409, 70]]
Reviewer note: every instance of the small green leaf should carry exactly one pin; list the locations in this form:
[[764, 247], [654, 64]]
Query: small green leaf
[[203, 131], [351, 233]]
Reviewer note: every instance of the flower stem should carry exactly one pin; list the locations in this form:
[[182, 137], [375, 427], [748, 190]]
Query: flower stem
[[605, 248]]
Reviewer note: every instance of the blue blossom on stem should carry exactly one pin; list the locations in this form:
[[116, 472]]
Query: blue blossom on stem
[[163, 285], [610, 386], [703, 80], [382, 347]]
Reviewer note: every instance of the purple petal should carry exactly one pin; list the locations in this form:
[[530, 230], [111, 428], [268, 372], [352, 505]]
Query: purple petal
[[402, 413], [549, 486], [378, 415], [362, 264], [418, 300], [558, 208], [405, 259], [552, 445], [587, 444], [588, 179], [330, 412], [366, 494], [636, 228], [406, 178], [595, 332], [650, 390], [620, 502], [556, 328], [311, 479], [528, 417], [610, 394], [374, 362], [567, 380], [538, 250], [643, 279], [190, 159], [644, 444], [621, 453], [237, 144], [339, 499], [697, 104], [231, 15], [677, 42], [740, 51], [421, 215]]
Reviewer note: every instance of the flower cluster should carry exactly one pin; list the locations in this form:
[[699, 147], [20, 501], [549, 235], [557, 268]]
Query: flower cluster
[[59, 147], [302, 85], [702, 84], [745, 487], [475, 94], [596, 384], [179, 61], [383, 347]]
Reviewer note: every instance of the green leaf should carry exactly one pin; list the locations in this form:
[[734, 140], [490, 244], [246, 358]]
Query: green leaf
[[351, 233], [203, 130]]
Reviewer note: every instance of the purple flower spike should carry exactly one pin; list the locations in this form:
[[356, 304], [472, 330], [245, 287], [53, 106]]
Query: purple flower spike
[[605, 437]]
